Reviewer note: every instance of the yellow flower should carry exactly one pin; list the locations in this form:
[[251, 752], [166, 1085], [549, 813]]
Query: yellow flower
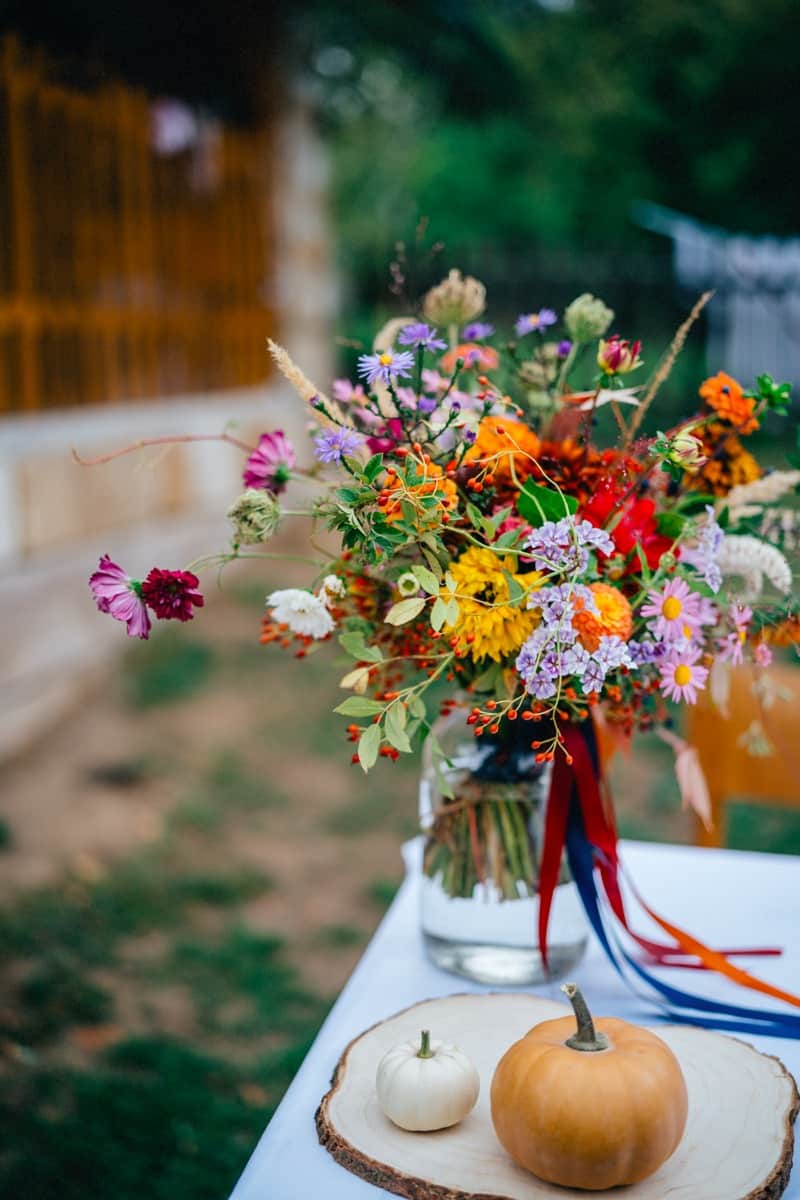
[[488, 626]]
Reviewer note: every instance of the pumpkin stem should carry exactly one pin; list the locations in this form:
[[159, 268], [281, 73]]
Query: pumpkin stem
[[425, 1045], [587, 1038]]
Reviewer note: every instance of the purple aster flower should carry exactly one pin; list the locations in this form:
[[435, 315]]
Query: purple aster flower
[[333, 445], [422, 336], [346, 392], [406, 397], [477, 331], [470, 435], [270, 465], [432, 381], [426, 405], [385, 366], [528, 322], [563, 348]]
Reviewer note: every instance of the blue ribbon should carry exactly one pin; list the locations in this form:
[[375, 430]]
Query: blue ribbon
[[731, 1017]]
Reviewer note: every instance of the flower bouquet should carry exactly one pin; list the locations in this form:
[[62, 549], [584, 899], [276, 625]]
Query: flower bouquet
[[548, 595]]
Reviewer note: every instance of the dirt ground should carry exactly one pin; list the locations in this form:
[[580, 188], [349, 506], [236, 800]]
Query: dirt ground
[[191, 868]]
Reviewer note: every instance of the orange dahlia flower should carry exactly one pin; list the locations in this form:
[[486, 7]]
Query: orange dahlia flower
[[430, 481], [613, 617], [722, 393], [472, 355], [505, 447]]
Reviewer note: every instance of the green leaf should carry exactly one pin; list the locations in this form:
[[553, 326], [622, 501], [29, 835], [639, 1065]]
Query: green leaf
[[452, 612], [670, 524], [373, 467], [475, 515], [695, 501], [427, 579], [516, 591], [538, 504], [450, 581], [507, 539], [416, 706], [488, 680], [395, 729], [359, 706], [439, 613], [405, 610], [438, 757], [432, 561], [494, 522], [368, 746], [357, 647]]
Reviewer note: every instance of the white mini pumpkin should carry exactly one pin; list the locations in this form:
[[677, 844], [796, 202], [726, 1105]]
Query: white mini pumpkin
[[424, 1085]]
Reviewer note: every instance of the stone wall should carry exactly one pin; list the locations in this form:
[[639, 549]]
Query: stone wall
[[162, 505]]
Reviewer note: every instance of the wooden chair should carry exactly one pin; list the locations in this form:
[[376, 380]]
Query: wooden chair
[[732, 771]]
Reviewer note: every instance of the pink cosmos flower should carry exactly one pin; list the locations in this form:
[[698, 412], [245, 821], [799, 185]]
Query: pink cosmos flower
[[731, 647], [681, 676], [120, 596], [171, 594], [762, 654], [676, 611], [270, 465]]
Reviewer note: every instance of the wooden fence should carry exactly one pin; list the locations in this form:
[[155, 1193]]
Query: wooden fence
[[124, 272]]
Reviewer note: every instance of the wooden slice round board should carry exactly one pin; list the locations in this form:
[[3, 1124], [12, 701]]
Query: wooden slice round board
[[737, 1145]]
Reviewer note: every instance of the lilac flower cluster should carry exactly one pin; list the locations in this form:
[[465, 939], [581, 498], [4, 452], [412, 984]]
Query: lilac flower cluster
[[333, 445], [553, 653], [562, 547], [703, 556]]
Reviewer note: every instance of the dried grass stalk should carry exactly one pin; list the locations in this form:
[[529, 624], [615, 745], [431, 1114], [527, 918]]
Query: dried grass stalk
[[664, 371]]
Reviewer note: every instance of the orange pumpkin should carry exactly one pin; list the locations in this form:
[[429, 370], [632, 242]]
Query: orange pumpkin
[[593, 1109]]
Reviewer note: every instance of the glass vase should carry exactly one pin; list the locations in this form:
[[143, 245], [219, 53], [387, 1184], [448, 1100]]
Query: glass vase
[[480, 876]]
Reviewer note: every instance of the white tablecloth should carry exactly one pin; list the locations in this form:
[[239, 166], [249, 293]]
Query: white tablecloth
[[723, 896]]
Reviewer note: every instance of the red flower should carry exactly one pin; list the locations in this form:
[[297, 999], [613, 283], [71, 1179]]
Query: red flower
[[387, 439], [171, 594], [635, 523]]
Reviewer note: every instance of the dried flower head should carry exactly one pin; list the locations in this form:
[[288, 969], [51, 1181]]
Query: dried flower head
[[587, 318], [255, 516], [455, 300]]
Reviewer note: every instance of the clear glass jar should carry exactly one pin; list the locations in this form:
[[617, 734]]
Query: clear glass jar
[[480, 881]]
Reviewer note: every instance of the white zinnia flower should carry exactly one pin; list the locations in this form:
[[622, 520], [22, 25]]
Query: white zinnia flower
[[303, 612], [331, 588], [751, 559]]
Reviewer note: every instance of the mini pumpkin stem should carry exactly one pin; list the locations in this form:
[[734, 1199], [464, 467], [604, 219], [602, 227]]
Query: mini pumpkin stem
[[425, 1045], [587, 1037]]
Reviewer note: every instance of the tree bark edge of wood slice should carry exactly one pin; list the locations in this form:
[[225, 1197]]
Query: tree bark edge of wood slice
[[427, 1013]]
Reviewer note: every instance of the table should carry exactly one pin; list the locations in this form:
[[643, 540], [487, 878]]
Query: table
[[720, 895]]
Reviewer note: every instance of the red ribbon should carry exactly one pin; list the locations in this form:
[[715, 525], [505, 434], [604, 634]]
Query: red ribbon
[[576, 777]]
